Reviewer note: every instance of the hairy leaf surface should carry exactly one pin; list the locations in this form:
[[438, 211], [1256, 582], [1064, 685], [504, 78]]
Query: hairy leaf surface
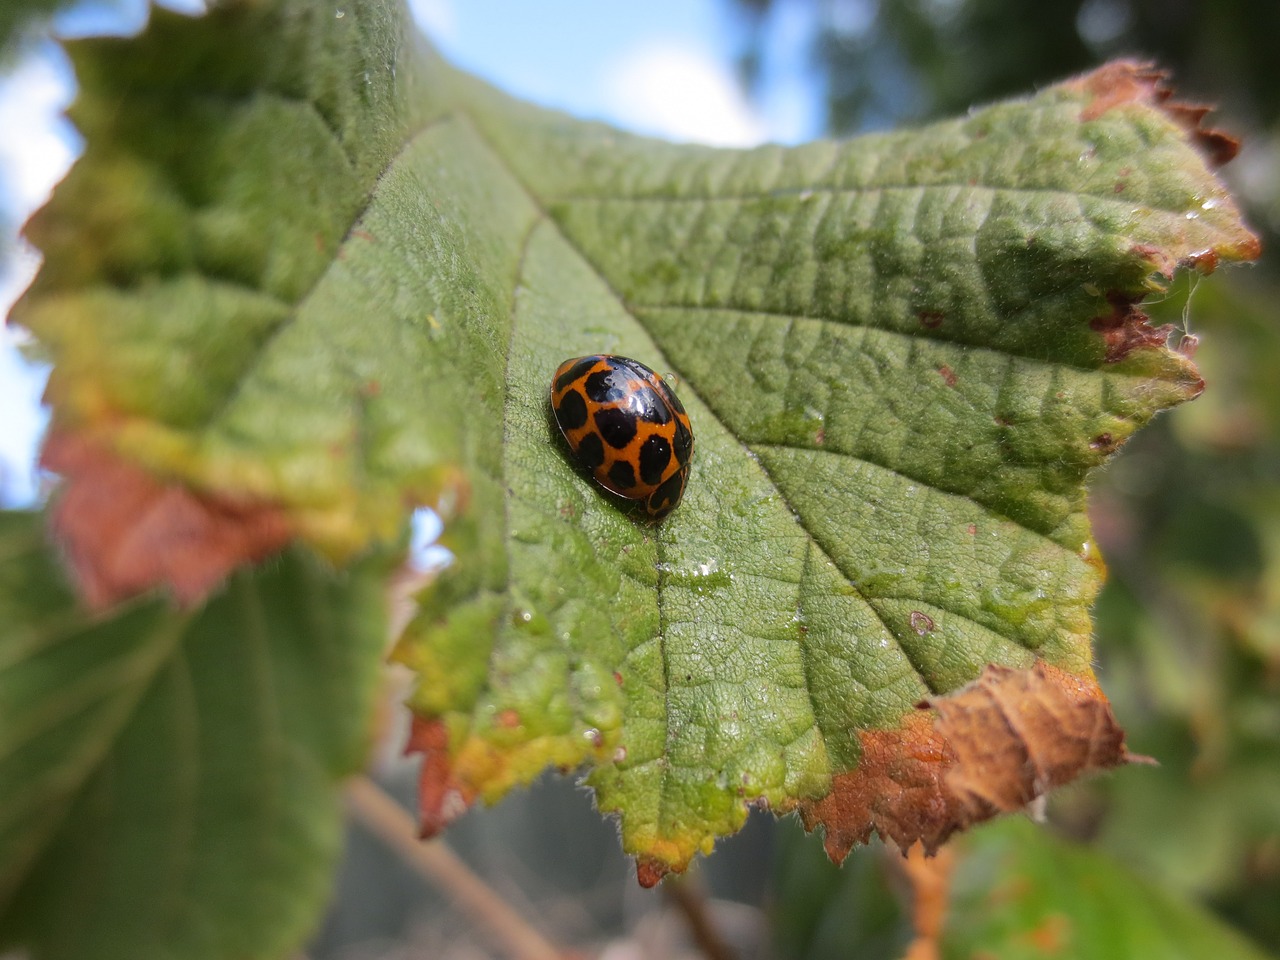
[[337, 277]]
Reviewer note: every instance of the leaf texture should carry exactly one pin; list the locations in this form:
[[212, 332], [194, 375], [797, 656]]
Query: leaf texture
[[901, 355]]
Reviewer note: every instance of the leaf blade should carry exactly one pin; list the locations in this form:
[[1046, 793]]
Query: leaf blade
[[902, 356], [169, 780], [1039, 589]]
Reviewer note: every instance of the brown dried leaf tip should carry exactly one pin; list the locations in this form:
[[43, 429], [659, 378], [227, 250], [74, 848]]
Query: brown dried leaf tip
[[988, 748], [442, 798], [125, 533], [1127, 328], [1131, 81]]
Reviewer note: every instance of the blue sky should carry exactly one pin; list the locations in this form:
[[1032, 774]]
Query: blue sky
[[664, 68]]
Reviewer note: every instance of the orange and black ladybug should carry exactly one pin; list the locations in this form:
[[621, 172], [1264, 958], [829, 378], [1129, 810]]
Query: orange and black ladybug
[[626, 426]]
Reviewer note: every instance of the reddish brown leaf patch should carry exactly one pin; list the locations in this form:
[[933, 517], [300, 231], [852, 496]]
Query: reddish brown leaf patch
[[1129, 81], [442, 798], [1104, 443], [1126, 328], [124, 532], [649, 872], [1051, 936], [1205, 261], [988, 748]]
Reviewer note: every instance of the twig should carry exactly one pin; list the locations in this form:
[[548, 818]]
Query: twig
[[930, 879], [387, 820], [693, 904]]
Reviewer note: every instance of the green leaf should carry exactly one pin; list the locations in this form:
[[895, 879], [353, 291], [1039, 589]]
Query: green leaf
[[1058, 899], [238, 150], [168, 780], [336, 277], [1016, 892]]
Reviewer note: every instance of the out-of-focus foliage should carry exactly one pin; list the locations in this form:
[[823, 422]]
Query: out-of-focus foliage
[[1059, 899], [898, 61], [1189, 520], [20, 19], [954, 53], [823, 911], [1188, 517]]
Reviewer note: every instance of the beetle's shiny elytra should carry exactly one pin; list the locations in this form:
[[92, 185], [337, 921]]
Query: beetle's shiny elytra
[[626, 426]]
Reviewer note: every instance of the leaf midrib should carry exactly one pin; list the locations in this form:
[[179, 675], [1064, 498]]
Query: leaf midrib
[[294, 310], [803, 192], [916, 336]]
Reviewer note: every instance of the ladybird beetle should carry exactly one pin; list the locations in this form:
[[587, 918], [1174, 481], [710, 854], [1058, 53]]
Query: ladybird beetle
[[626, 426]]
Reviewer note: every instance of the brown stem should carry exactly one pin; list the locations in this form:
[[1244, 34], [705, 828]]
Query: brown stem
[[441, 867], [930, 879], [693, 904]]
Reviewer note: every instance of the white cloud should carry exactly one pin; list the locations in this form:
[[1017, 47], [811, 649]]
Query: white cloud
[[192, 8], [676, 91], [436, 18], [39, 145], [24, 419], [17, 270]]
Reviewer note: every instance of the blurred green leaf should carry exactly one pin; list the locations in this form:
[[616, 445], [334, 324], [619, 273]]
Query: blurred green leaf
[[168, 780], [1018, 893], [17, 16], [1188, 520]]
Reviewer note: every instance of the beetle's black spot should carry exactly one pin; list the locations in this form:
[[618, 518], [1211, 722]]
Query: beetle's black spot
[[605, 386], [572, 411], [574, 372], [591, 451], [664, 499], [655, 454], [683, 445], [669, 396], [649, 406], [616, 425], [622, 476], [634, 366]]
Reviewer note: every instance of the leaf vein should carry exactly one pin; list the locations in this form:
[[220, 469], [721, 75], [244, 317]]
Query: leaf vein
[[991, 511], [805, 654], [918, 336], [803, 193], [269, 812], [290, 317], [96, 750], [187, 759]]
